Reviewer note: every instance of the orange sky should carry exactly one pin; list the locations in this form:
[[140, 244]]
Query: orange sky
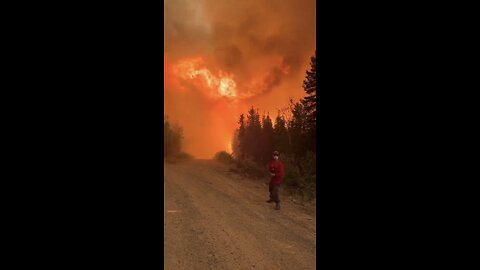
[[222, 57]]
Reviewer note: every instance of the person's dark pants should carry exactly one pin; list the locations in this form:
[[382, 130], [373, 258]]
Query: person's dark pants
[[273, 188]]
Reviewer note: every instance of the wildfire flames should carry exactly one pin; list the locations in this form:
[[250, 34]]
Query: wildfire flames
[[222, 85], [221, 59]]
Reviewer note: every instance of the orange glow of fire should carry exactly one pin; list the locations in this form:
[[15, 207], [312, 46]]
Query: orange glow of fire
[[192, 68], [228, 145]]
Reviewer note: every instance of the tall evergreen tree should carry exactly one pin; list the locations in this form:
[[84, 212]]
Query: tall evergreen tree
[[241, 138], [256, 134], [267, 138], [253, 132], [280, 136], [250, 137], [297, 130], [310, 102]]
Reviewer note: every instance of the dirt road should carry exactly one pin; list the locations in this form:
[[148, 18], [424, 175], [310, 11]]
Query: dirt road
[[215, 219]]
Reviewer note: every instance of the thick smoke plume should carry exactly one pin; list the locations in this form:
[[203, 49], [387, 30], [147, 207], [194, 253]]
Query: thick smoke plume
[[222, 57]]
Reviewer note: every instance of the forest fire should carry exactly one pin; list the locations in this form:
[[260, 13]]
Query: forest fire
[[239, 84], [192, 68], [221, 59]]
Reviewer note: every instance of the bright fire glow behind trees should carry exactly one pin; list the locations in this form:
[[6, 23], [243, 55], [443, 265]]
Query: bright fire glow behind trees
[[222, 57]]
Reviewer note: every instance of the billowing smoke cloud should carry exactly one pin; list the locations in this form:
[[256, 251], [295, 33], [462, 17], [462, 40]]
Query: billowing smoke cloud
[[253, 53]]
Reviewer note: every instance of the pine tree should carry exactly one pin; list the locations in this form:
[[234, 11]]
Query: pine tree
[[253, 132], [310, 102], [280, 136], [297, 130], [267, 138], [257, 133], [241, 138], [250, 134]]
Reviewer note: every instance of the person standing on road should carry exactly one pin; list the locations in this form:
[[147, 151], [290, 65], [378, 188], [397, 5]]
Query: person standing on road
[[277, 173]]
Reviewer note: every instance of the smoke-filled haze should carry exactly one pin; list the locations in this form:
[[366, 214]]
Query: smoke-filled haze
[[222, 57]]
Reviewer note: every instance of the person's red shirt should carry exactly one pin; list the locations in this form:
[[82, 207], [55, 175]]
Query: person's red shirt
[[276, 167]]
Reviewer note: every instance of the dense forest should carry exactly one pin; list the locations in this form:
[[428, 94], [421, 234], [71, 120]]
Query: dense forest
[[292, 133]]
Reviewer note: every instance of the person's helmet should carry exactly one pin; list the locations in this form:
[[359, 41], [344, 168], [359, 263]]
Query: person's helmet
[[275, 153]]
